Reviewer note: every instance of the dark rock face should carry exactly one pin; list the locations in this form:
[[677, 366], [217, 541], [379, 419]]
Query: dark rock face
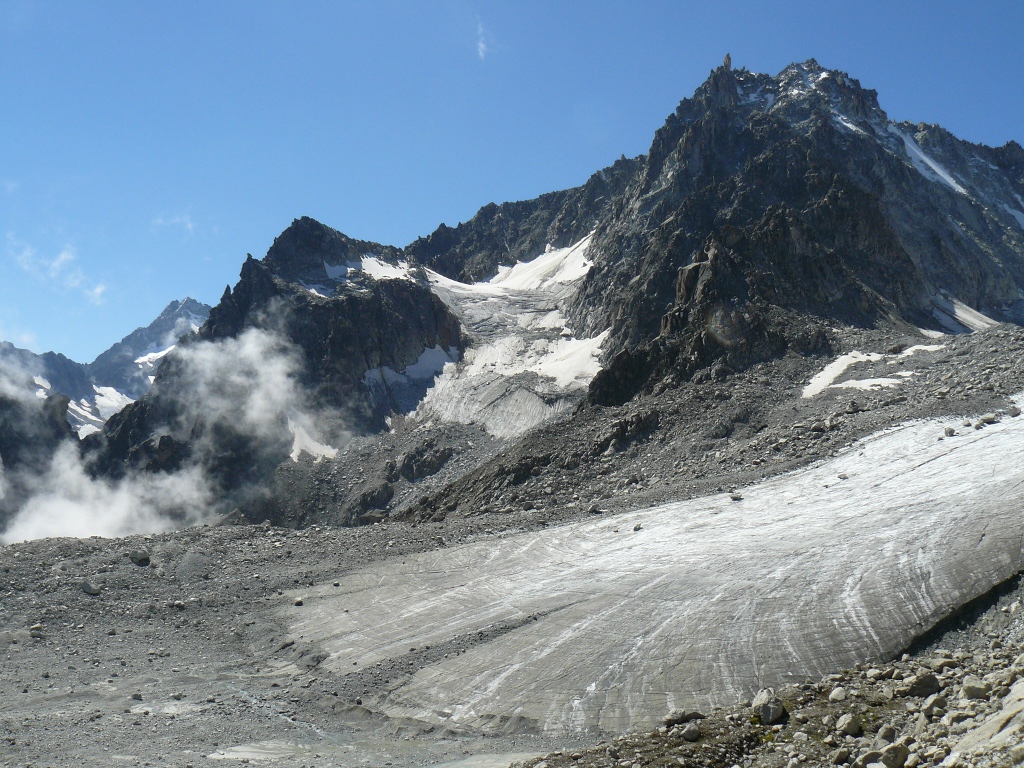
[[64, 375], [821, 205], [364, 326], [423, 461], [30, 435], [116, 367], [301, 251]]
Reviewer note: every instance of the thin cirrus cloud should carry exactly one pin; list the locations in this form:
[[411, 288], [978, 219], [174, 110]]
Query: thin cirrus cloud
[[484, 41], [183, 220], [60, 271]]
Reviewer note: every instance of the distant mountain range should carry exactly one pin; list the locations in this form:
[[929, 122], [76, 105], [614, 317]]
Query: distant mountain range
[[121, 374]]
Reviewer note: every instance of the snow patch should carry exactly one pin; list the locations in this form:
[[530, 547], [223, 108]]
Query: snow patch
[[845, 122], [524, 365], [382, 270], [431, 362], [555, 266], [1016, 214], [866, 384], [826, 377], [957, 317], [318, 290], [150, 359], [929, 168], [109, 401], [304, 442], [371, 266], [406, 389], [821, 381]]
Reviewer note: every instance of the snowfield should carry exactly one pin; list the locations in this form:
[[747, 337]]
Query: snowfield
[[621, 619], [524, 365]]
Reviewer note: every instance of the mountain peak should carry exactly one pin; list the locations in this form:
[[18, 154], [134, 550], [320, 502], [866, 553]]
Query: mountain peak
[[303, 251]]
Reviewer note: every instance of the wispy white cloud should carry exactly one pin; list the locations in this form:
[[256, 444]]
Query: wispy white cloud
[[9, 186], [61, 271], [484, 40], [58, 265], [17, 337], [183, 220]]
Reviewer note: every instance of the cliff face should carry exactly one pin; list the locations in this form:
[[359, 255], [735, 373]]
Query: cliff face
[[820, 205]]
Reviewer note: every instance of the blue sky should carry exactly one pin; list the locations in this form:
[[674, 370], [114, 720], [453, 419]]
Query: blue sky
[[146, 147]]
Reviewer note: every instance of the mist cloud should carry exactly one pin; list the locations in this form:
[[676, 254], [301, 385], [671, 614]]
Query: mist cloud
[[248, 383], [66, 501], [248, 386]]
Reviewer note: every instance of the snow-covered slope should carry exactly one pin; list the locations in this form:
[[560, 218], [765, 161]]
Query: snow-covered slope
[[524, 364]]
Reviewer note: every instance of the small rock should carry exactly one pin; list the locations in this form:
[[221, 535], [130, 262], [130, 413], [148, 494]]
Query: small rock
[[136, 697], [1013, 411], [989, 418], [895, 755], [950, 432], [90, 588], [867, 758], [840, 757], [848, 725], [638, 526], [680, 717], [934, 702], [975, 688], [838, 694], [690, 732], [887, 734], [736, 496], [139, 556], [920, 686], [298, 601], [939, 664], [768, 707]]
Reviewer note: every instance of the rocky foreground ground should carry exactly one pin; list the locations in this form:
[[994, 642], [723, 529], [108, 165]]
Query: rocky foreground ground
[[170, 649]]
